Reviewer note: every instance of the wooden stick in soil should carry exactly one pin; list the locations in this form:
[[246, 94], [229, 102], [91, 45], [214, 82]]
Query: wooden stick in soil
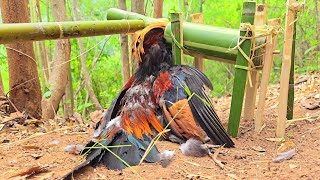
[[291, 80], [198, 60], [1, 86], [124, 50], [241, 74], [285, 69], [251, 90], [268, 61]]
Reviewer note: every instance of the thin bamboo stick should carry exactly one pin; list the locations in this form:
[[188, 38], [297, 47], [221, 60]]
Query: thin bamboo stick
[[260, 19], [285, 69], [268, 61]]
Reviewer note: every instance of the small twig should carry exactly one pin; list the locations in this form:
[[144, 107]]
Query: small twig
[[14, 107], [214, 157]]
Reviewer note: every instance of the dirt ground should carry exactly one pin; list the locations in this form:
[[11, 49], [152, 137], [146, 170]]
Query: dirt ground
[[25, 147]]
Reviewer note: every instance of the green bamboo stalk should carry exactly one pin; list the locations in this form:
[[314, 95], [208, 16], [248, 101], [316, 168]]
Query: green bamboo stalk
[[118, 14], [176, 33], [212, 42], [10, 33], [248, 13], [291, 80]]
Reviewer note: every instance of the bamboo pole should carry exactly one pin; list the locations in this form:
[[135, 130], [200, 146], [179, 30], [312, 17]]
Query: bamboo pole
[[241, 74], [198, 60], [124, 50], [285, 69], [209, 41], [268, 61], [291, 79], [260, 19], [10, 33], [176, 23]]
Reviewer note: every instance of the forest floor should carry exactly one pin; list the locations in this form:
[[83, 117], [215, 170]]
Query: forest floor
[[40, 149]]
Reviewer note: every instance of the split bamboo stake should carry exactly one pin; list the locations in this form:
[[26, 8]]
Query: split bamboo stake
[[198, 59], [260, 19], [176, 24], [268, 61], [240, 79], [285, 69]]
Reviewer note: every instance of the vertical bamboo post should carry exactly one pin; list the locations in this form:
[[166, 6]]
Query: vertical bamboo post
[[124, 50], [268, 61], [176, 29], [251, 89], [285, 69], [291, 80], [198, 60], [248, 13]]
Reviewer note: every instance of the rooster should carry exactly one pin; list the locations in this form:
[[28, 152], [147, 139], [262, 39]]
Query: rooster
[[159, 96]]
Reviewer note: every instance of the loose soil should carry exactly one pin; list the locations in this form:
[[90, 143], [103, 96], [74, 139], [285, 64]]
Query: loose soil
[[25, 147]]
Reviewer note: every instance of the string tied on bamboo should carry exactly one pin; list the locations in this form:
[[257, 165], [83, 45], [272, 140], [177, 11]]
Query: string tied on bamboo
[[253, 33]]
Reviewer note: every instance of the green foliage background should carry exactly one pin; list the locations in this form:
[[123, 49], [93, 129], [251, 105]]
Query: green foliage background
[[106, 76]]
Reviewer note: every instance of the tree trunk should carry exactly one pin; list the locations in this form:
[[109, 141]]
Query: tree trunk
[[59, 75], [158, 6], [138, 7], [1, 86], [124, 50], [84, 69], [24, 82], [68, 98]]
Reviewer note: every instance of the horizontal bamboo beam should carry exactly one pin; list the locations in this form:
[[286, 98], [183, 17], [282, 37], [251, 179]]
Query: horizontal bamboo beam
[[11, 33], [207, 40], [118, 14]]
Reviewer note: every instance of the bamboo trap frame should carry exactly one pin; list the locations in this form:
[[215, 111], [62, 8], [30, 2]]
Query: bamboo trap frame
[[245, 47]]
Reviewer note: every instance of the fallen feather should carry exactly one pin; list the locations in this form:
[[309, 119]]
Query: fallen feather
[[54, 142], [284, 156], [74, 149], [166, 157]]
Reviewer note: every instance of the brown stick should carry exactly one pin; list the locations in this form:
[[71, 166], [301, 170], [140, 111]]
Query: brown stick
[[268, 61], [1, 86], [84, 69], [124, 50], [158, 6], [137, 6], [285, 69]]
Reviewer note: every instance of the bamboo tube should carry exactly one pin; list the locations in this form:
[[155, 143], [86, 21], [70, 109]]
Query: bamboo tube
[[268, 61], [285, 69], [260, 19], [241, 74], [10, 33], [210, 41]]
